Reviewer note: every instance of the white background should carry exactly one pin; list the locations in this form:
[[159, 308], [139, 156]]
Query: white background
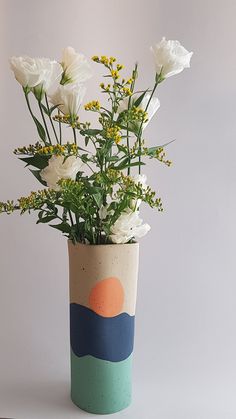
[[185, 351]]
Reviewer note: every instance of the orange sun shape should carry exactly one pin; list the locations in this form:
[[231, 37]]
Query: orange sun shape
[[107, 297]]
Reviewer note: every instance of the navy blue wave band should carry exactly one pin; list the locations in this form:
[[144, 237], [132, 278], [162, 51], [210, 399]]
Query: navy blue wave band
[[108, 338]]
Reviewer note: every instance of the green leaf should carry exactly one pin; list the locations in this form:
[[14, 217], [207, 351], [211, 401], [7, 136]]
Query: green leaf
[[90, 132], [152, 150], [46, 219], [53, 108], [164, 145], [131, 127], [124, 165], [98, 199], [45, 109], [64, 227], [105, 149], [49, 111], [40, 129], [84, 158], [113, 158], [37, 160], [107, 111], [139, 99], [36, 173], [122, 148], [113, 205]]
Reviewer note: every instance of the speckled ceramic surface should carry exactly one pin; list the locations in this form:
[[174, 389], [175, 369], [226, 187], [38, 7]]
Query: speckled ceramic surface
[[103, 287]]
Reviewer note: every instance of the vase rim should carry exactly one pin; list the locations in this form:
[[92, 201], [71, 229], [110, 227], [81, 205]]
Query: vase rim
[[70, 242]]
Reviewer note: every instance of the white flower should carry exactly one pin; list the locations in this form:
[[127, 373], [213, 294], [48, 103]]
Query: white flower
[[153, 106], [76, 67], [68, 98], [128, 226], [59, 169], [36, 72], [170, 58]]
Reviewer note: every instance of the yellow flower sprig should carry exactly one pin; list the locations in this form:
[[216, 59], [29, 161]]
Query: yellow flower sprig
[[61, 150], [94, 105], [108, 62], [147, 195], [105, 88], [126, 91], [113, 133], [28, 150], [64, 150], [161, 156], [36, 200], [7, 207], [158, 154], [134, 114], [66, 119]]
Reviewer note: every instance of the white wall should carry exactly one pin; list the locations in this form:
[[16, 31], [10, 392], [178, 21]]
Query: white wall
[[185, 365]]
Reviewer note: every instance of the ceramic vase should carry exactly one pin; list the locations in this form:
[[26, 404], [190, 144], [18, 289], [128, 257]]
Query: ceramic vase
[[103, 288]]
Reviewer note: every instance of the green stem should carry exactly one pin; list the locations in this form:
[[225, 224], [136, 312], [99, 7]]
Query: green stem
[[52, 124], [60, 133], [29, 107], [74, 133], [129, 103], [139, 136], [44, 121], [71, 219]]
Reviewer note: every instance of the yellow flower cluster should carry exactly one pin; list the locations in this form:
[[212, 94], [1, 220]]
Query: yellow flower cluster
[[59, 149], [28, 150], [127, 91], [104, 60], [36, 199], [66, 119], [139, 114], [114, 175], [7, 207], [135, 114], [114, 133], [92, 106], [115, 74], [161, 156], [105, 88]]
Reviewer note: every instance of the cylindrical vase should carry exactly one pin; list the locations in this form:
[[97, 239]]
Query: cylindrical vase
[[103, 288]]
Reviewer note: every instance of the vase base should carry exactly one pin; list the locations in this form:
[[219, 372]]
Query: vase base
[[100, 412], [99, 386]]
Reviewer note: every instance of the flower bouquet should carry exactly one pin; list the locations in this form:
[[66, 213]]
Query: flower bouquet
[[93, 187]]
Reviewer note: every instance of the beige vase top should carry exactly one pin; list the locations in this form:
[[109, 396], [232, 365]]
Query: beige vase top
[[104, 272]]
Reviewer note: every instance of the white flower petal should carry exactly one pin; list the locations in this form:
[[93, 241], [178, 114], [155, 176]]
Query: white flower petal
[[68, 98], [76, 67], [36, 72], [59, 169], [127, 226], [170, 57]]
